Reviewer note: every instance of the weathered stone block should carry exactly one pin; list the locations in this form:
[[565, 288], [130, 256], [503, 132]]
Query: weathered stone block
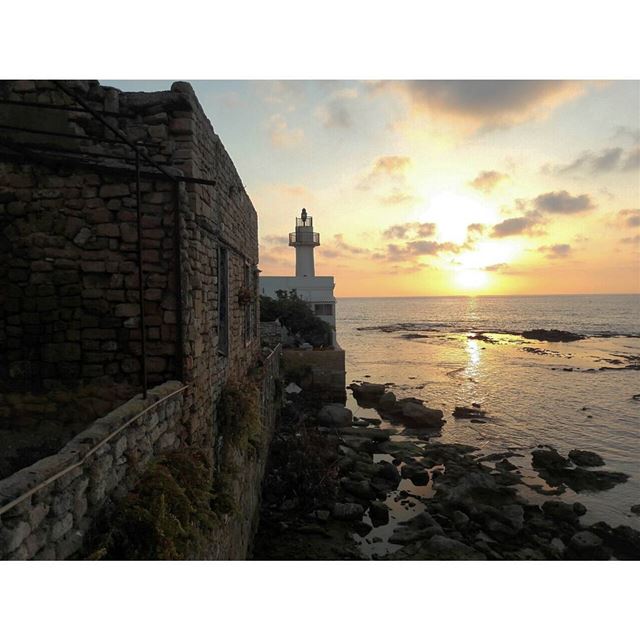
[[114, 190]]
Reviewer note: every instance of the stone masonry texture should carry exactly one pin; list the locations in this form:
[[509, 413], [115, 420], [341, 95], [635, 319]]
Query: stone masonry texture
[[69, 274]]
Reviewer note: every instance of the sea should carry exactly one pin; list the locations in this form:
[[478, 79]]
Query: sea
[[455, 351]]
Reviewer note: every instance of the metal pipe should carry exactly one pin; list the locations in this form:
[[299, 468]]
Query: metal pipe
[[143, 336], [87, 455], [178, 265]]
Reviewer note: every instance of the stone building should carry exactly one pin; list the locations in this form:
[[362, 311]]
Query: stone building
[[128, 261]]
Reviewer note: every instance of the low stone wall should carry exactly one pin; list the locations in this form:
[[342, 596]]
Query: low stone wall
[[66, 491], [322, 372]]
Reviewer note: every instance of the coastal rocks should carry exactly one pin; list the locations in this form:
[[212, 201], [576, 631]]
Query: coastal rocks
[[379, 513], [387, 400], [548, 459], [551, 335], [418, 416], [585, 458], [360, 489], [554, 469], [635, 509], [560, 511], [442, 548], [367, 392], [588, 546], [347, 511], [468, 412], [335, 415], [416, 473]]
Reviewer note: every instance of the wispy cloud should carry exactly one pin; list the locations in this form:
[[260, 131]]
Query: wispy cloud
[[410, 229], [485, 103], [629, 217], [282, 135], [555, 251], [528, 224], [563, 202], [603, 161], [487, 181]]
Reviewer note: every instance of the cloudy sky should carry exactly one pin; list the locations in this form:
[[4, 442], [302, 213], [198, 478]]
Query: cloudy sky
[[441, 187]]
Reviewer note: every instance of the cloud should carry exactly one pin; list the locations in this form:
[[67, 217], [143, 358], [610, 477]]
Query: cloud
[[397, 196], [630, 217], [556, 250], [496, 267], [485, 103], [281, 135], [487, 181], [522, 225], [344, 247], [415, 229], [386, 169], [633, 133], [633, 240], [418, 248], [276, 239], [632, 162], [336, 112], [604, 161], [562, 202]]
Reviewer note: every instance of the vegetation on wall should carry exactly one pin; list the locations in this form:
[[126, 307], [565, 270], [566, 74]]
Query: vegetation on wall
[[239, 415], [296, 315], [167, 516]]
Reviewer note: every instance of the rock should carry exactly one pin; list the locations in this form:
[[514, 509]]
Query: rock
[[387, 400], [551, 335], [362, 528], [625, 542], [367, 391], [579, 509], [468, 412], [560, 511], [360, 422], [548, 459], [389, 472], [347, 511], [322, 515], [586, 544], [557, 548], [635, 509], [474, 487], [417, 415], [460, 519], [335, 415], [292, 387], [379, 513], [585, 458], [417, 474], [443, 548], [360, 489], [505, 465], [514, 514]]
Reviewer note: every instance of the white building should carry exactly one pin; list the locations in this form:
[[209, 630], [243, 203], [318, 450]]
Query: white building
[[316, 290]]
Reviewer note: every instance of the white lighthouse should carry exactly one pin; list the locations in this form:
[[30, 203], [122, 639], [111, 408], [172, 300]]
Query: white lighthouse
[[305, 240], [316, 290]]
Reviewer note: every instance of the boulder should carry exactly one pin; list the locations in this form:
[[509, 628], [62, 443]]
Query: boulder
[[335, 415], [379, 513], [560, 511], [417, 415], [548, 459], [358, 488], [585, 458], [389, 472], [443, 548], [551, 335], [468, 412], [586, 544], [387, 400], [368, 391]]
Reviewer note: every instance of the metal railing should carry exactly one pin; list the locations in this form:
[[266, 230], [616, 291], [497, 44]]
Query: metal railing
[[304, 237]]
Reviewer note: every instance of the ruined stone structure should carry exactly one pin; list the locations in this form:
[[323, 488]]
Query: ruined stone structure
[[71, 261]]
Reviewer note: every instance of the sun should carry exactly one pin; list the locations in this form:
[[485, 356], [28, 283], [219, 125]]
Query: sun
[[453, 213], [471, 279]]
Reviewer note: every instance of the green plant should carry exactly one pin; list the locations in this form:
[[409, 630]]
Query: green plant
[[239, 414], [296, 315], [167, 516]]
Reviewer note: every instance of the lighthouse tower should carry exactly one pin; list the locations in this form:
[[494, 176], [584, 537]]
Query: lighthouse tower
[[317, 291], [305, 240]]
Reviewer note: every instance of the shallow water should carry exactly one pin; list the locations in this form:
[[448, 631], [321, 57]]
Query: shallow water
[[529, 397]]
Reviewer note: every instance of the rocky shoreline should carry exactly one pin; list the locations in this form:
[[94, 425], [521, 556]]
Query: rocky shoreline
[[339, 487]]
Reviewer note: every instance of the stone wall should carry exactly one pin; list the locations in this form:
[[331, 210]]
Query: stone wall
[[51, 523], [69, 314]]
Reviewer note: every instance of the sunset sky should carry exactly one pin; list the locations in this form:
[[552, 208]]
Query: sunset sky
[[441, 187]]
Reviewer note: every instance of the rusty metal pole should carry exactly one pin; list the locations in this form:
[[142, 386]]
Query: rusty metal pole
[[143, 336]]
